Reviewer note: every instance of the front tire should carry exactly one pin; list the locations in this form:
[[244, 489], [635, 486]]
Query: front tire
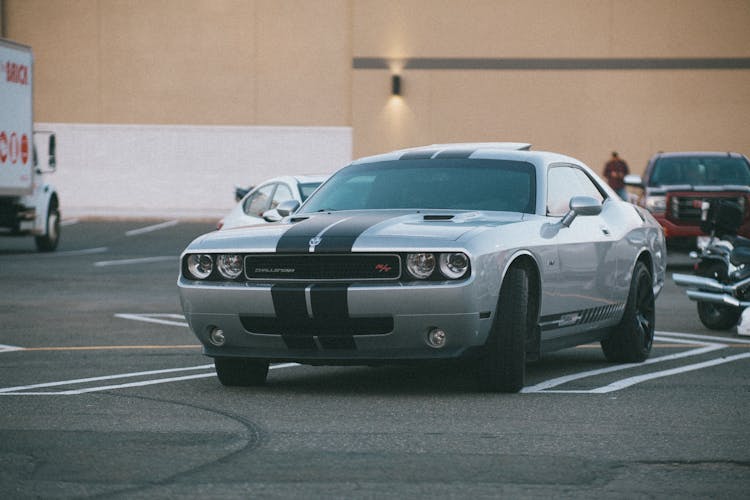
[[504, 365], [241, 371], [632, 339], [51, 237]]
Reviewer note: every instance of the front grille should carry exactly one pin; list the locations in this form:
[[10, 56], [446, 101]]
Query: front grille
[[311, 267], [688, 208]]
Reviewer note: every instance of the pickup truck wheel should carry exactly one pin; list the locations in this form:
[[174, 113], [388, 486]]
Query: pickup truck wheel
[[48, 241], [504, 365], [631, 340], [241, 371]]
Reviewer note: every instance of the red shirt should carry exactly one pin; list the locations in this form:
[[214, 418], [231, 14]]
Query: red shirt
[[614, 171]]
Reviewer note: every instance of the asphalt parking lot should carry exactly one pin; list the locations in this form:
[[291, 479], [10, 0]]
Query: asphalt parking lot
[[104, 393]]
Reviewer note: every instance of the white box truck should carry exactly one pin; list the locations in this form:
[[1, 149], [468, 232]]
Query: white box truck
[[28, 206]]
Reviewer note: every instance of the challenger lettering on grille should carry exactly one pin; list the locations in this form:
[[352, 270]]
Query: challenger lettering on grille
[[322, 267]]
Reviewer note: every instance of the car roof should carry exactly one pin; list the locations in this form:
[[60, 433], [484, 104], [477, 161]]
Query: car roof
[[516, 151]]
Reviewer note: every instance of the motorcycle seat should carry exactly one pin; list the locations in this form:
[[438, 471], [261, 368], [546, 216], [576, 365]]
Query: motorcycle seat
[[741, 242], [740, 255]]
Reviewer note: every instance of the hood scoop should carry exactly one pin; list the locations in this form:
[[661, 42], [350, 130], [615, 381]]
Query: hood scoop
[[438, 217]]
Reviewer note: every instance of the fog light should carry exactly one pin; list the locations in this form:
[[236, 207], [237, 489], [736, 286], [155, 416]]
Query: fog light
[[216, 336], [436, 338]]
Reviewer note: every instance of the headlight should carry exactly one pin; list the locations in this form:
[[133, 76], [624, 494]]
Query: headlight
[[420, 265], [229, 265], [454, 265], [200, 265], [656, 204]]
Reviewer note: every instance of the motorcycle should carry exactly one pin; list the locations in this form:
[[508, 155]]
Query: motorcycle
[[721, 283]]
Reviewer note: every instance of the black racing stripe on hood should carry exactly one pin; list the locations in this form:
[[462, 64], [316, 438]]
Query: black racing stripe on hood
[[456, 154], [341, 237], [296, 239], [419, 155]]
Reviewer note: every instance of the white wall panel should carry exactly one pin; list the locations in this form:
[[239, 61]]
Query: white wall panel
[[181, 171]]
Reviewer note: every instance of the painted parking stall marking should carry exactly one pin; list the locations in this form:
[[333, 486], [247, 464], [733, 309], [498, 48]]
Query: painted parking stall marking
[[707, 345], [159, 318], [206, 371], [698, 345]]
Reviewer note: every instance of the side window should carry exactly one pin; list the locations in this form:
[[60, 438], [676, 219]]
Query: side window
[[565, 182], [282, 193], [258, 202]]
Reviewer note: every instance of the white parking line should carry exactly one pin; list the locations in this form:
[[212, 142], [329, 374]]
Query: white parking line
[[85, 251], [547, 385], [707, 344], [155, 227], [143, 260], [24, 390], [155, 318]]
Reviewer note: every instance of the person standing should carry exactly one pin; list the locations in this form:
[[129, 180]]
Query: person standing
[[615, 171]]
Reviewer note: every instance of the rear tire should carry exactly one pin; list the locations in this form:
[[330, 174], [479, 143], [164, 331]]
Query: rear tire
[[504, 365], [632, 339], [241, 371], [717, 316]]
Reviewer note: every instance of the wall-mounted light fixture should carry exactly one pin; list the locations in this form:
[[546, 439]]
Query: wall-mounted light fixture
[[396, 85]]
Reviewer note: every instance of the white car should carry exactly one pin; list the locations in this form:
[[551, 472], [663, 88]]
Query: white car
[[259, 205]]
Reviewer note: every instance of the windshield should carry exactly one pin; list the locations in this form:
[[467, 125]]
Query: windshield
[[454, 184], [700, 171], [306, 189]]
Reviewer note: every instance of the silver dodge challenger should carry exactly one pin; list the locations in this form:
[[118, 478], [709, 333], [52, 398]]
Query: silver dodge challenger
[[490, 252]]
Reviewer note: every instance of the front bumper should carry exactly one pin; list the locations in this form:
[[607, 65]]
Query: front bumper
[[457, 308]]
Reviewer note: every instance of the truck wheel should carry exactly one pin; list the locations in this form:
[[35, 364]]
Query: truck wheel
[[504, 364], [631, 340], [241, 371], [49, 240]]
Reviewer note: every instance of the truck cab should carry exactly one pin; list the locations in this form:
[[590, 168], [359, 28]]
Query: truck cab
[[675, 186]]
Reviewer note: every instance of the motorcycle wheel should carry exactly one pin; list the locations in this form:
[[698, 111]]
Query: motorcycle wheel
[[717, 316]]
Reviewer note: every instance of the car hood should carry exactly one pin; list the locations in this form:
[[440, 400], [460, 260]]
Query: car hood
[[336, 232]]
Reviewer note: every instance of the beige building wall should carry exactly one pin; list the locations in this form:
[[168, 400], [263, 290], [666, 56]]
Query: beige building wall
[[329, 62], [582, 112], [217, 62]]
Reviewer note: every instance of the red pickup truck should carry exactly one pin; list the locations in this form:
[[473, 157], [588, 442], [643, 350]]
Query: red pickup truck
[[675, 185]]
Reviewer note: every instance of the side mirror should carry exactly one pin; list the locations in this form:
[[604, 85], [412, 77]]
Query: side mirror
[[633, 180], [581, 205], [286, 208], [271, 215], [52, 152]]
